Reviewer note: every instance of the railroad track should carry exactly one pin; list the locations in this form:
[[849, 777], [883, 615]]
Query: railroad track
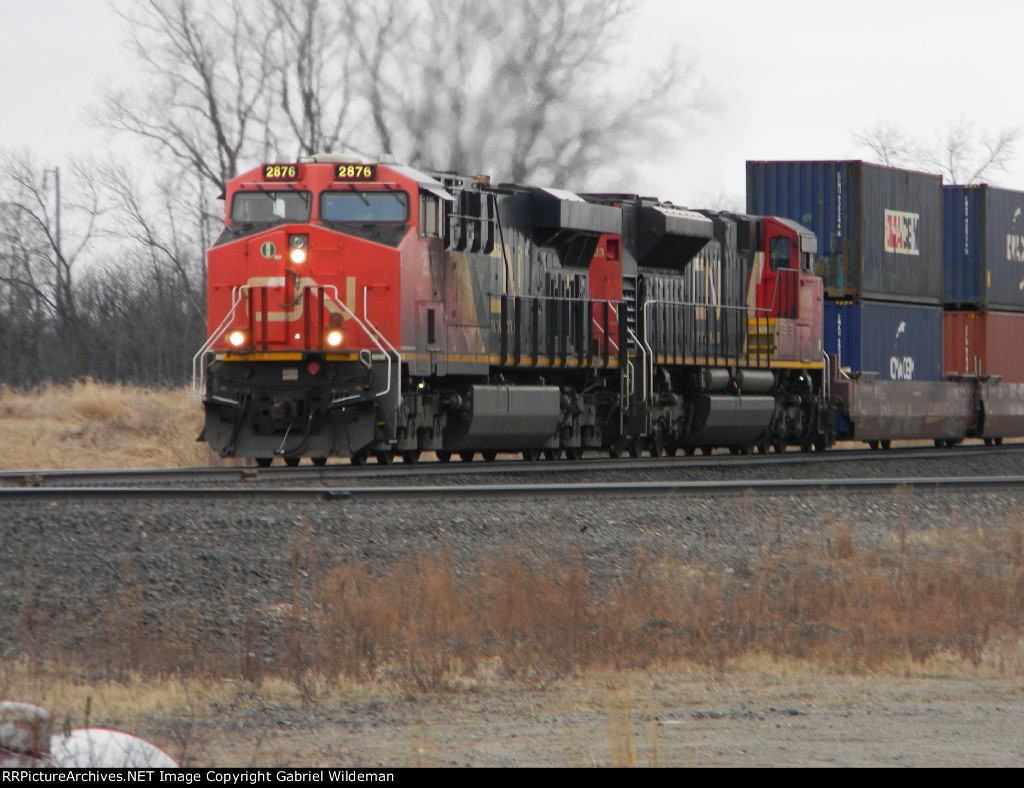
[[632, 489], [344, 472]]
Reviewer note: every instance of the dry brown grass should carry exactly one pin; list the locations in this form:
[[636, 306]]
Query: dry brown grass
[[432, 625], [100, 425]]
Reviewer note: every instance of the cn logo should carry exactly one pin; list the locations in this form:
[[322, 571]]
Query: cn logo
[[901, 368]]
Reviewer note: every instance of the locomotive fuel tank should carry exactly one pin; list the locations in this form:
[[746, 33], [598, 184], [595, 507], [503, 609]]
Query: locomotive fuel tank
[[503, 418]]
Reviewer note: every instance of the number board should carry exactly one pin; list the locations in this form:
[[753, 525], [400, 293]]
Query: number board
[[355, 172], [280, 172]]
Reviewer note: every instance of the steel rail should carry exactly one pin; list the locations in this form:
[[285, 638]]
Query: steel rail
[[340, 471], [452, 492]]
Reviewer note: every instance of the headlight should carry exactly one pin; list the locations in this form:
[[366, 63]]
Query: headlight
[[237, 339], [335, 337], [298, 249]]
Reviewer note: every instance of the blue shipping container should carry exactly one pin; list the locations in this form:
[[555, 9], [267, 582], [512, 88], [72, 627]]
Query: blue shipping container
[[983, 247], [879, 228], [898, 341]]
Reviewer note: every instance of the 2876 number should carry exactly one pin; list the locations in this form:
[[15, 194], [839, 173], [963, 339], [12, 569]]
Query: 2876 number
[[355, 172], [280, 172]]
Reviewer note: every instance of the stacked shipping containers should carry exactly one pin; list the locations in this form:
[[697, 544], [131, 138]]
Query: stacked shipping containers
[[983, 287], [880, 248]]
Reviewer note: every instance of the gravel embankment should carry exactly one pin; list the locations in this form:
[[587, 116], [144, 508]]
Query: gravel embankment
[[71, 570]]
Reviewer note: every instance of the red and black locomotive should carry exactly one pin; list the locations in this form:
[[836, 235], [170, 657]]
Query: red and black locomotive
[[361, 310]]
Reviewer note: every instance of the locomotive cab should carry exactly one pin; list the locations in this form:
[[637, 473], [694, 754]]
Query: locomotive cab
[[305, 350], [786, 294]]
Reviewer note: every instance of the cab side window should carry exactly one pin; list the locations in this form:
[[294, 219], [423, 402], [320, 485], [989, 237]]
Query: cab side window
[[778, 253]]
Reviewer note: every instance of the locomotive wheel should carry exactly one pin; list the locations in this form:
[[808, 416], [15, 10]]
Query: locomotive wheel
[[359, 458], [489, 456], [689, 451], [444, 456], [466, 456], [706, 450], [656, 448], [886, 445], [671, 451], [819, 443], [762, 446], [574, 454], [873, 445], [988, 441], [292, 462], [531, 455], [552, 454], [615, 453], [385, 457], [320, 461], [264, 462], [635, 449], [805, 445], [779, 446], [940, 443], [410, 457], [999, 441]]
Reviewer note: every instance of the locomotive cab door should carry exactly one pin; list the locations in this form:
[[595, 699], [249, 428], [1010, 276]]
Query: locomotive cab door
[[778, 294]]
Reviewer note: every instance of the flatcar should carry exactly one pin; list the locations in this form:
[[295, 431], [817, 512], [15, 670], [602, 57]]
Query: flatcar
[[373, 310]]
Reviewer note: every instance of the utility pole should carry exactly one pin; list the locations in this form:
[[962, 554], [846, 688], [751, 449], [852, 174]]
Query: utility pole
[[56, 179], [60, 256]]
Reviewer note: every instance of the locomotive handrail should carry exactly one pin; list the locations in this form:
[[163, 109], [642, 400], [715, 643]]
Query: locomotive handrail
[[371, 331], [578, 332], [775, 291], [199, 369], [696, 304], [604, 330], [629, 373], [648, 359], [375, 336]]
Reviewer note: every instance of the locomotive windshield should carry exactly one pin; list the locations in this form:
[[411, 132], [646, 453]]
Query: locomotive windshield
[[365, 207], [266, 207]]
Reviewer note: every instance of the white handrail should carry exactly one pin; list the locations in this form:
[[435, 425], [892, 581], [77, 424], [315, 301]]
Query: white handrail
[[199, 369], [378, 335], [647, 358], [607, 336]]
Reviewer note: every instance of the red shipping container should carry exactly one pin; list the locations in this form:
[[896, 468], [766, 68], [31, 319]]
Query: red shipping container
[[984, 343]]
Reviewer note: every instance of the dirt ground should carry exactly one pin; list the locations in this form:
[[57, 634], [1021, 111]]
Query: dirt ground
[[753, 717]]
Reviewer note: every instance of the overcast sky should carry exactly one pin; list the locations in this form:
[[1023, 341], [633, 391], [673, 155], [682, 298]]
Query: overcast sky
[[795, 79]]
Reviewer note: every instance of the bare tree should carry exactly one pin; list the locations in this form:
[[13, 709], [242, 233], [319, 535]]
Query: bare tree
[[45, 234], [165, 235], [206, 98], [966, 156], [534, 89], [962, 154], [889, 144], [313, 63], [528, 90]]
